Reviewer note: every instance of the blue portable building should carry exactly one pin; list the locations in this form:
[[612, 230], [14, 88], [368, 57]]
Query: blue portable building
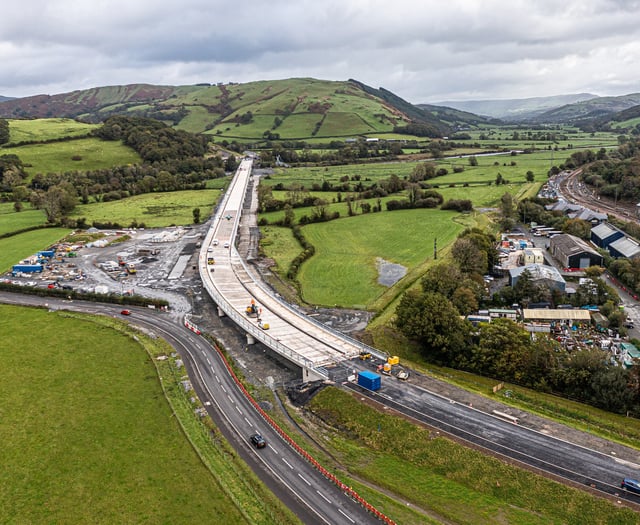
[[369, 380]]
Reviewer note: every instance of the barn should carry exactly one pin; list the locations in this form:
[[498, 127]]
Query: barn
[[540, 274], [624, 247]]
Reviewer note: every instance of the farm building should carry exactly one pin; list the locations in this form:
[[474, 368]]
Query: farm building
[[540, 274], [572, 252], [624, 247], [604, 234]]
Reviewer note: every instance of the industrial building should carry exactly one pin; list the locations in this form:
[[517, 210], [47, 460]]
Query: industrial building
[[604, 234], [572, 252], [540, 274]]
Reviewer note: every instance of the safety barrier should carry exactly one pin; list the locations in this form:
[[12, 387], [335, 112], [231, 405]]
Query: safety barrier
[[308, 457]]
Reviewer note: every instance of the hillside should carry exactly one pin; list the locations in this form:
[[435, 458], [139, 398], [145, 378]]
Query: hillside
[[300, 108], [513, 109], [596, 108]]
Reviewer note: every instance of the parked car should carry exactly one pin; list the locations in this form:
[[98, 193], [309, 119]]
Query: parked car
[[209, 249], [226, 244], [126, 312], [632, 485], [258, 441]]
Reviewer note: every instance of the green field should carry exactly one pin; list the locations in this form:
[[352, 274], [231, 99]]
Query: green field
[[57, 157], [436, 474], [14, 249], [152, 209], [343, 270], [87, 435], [11, 221], [35, 130]]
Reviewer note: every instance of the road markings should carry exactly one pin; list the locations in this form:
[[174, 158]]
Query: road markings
[[273, 449], [217, 379], [209, 362], [288, 464], [323, 496], [230, 398], [302, 478], [349, 518], [248, 422], [223, 388], [238, 409], [204, 353]]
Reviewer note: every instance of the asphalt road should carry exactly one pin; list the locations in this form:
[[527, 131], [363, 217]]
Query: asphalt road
[[577, 464], [311, 496]]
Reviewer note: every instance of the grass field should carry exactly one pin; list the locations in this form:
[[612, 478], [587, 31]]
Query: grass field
[[23, 130], [13, 249], [152, 209], [343, 270], [460, 485], [87, 435], [56, 157], [11, 221]]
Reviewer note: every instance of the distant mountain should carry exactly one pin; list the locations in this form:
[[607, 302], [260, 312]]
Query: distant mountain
[[2, 99], [600, 108], [299, 108], [514, 109]]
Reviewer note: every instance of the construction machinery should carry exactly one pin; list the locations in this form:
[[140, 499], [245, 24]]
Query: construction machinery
[[364, 355], [252, 310]]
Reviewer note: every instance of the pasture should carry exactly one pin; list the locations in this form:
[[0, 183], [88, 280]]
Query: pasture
[[87, 434], [343, 271], [154, 210], [11, 221], [38, 130], [58, 157]]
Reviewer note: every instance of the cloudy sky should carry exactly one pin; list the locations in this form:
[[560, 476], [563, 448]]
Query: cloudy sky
[[422, 50]]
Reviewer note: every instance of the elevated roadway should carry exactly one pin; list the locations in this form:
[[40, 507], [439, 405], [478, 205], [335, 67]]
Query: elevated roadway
[[233, 287]]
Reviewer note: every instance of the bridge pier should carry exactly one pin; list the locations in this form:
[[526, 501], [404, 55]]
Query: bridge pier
[[221, 312], [310, 375], [250, 339]]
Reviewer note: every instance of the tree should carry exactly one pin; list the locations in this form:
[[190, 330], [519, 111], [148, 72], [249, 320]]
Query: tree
[[470, 259], [231, 164], [289, 215], [530, 177], [431, 320], [196, 216], [56, 202], [473, 161]]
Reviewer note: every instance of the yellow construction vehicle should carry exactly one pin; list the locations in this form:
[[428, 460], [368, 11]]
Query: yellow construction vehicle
[[364, 355], [252, 310]]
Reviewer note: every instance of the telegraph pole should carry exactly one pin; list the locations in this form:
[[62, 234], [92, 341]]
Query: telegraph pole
[[435, 248]]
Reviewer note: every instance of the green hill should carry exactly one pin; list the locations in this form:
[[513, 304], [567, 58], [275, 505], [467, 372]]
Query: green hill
[[299, 108]]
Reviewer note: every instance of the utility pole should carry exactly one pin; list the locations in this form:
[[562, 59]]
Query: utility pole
[[435, 248]]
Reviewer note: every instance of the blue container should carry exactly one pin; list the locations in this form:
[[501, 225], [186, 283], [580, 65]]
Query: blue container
[[369, 380]]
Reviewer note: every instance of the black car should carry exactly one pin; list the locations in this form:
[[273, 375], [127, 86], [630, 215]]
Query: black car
[[258, 441], [632, 485]]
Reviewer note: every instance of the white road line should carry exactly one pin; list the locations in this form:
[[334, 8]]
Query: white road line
[[238, 409], [288, 464], [214, 372], [230, 398], [248, 422], [340, 511], [302, 478], [217, 379], [204, 353], [208, 361], [223, 388], [323, 496], [273, 449]]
